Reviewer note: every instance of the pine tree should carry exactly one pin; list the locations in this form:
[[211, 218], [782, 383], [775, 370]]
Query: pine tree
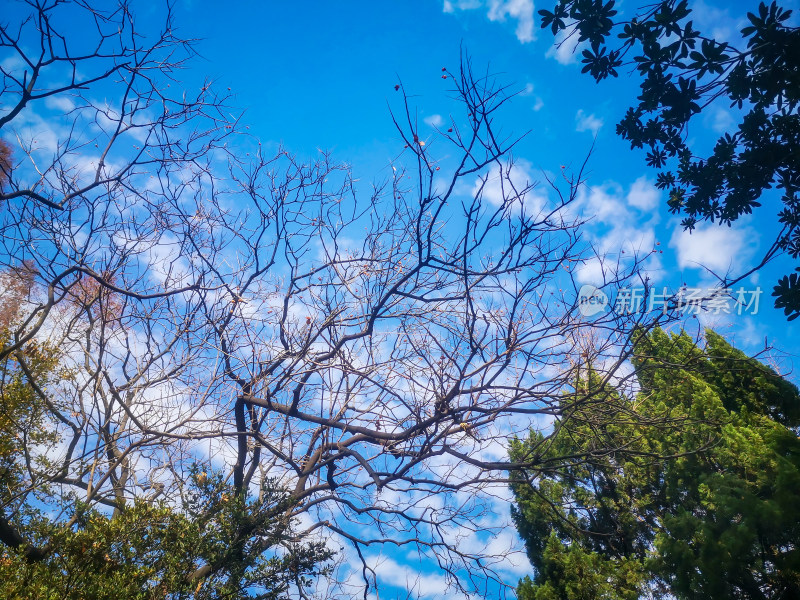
[[700, 497]]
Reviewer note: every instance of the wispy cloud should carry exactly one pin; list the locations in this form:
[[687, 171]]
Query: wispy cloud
[[538, 103], [721, 120], [717, 22], [434, 120], [453, 6], [643, 194], [586, 122], [60, 103], [719, 249], [616, 232], [512, 181], [565, 50], [520, 11]]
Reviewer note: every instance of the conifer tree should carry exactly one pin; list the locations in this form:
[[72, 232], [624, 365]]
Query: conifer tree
[[699, 498]]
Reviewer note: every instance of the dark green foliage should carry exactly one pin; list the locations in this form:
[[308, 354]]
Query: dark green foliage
[[210, 542], [693, 492], [216, 545], [682, 72]]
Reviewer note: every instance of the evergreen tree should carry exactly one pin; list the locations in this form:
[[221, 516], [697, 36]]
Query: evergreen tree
[[699, 499]]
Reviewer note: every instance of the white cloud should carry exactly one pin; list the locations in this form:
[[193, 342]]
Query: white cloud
[[565, 50], [450, 7], [434, 120], [602, 203], [714, 247], [616, 232], [516, 562], [591, 271], [632, 238], [499, 10], [405, 577], [586, 122], [643, 194], [13, 65], [41, 134], [748, 334], [721, 120], [538, 103], [511, 182], [521, 10], [60, 103], [722, 26]]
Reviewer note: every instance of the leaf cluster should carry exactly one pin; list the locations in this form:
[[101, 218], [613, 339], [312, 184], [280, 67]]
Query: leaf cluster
[[683, 72], [216, 545], [698, 496]]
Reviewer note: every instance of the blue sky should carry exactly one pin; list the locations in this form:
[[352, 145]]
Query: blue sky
[[322, 75]]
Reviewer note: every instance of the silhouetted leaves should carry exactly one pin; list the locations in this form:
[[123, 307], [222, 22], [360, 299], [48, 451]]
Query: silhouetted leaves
[[787, 293], [683, 72]]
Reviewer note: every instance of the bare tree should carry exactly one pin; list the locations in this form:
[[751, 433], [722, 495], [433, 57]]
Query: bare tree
[[371, 351]]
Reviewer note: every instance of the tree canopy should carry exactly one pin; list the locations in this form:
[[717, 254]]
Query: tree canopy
[[703, 505], [222, 363], [683, 72], [215, 545], [220, 305], [215, 541]]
